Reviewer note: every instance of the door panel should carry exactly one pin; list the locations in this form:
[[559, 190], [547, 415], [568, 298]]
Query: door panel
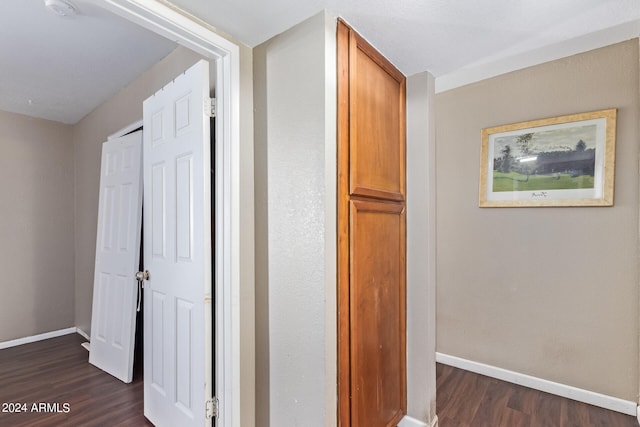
[[376, 121], [115, 290], [177, 226], [371, 236], [377, 313]]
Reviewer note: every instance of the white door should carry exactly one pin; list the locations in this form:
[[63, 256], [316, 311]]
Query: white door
[[177, 251], [115, 289]]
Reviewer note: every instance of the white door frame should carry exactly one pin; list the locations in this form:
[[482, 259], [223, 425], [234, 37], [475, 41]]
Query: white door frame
[[175, 25], [125, 130]]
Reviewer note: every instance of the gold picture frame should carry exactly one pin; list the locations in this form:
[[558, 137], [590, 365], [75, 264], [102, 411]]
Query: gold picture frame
[[559, 161]]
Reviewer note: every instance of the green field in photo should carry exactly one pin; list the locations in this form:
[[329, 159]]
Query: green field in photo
[[514, 181]]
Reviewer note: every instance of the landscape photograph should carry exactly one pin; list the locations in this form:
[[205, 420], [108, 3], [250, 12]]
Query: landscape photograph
[[555, 159]]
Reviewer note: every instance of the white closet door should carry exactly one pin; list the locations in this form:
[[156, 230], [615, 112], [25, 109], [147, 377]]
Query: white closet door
[[177, 251], [115, 290]]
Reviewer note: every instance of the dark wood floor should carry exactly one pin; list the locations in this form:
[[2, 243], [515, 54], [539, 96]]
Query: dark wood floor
[[465, 399], [56, 371]]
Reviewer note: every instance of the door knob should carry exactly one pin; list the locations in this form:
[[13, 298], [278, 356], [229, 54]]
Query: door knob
[[142, 275]]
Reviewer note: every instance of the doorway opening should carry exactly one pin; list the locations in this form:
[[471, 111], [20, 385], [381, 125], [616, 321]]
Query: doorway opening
[[224, 55]]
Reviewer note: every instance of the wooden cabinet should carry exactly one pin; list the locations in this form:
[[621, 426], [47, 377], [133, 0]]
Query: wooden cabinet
[[371, 236]]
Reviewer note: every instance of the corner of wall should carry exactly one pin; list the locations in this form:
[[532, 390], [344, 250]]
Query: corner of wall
[[36, 226], [294, 143], [330, 217], [261, 228], [247, 242], [421, 381], [638, 124]]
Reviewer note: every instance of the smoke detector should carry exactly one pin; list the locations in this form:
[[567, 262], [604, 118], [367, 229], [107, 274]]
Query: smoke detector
[[60, 7]]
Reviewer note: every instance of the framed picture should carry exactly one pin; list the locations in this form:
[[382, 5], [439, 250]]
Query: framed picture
[[560, 161]]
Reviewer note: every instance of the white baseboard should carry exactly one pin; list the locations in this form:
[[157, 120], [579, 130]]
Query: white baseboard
[[581, 395], [84, 334], [39, 337], [407, 421]]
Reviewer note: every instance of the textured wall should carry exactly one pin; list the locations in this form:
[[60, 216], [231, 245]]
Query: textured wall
[[295, 245], [549, 292], [36, 226]]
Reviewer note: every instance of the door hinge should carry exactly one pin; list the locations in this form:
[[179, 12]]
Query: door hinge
[[212, 408], [210, 107]]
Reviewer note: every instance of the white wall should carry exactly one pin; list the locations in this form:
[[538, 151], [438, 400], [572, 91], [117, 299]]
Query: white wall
[[295, 138], [421, 266], [247, 340], [295, 153]]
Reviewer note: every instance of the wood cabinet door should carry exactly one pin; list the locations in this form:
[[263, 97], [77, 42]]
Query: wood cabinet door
[[371, 236], [376, 124], [377, 313]]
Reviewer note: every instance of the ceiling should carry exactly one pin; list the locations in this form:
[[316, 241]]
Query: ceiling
[[62, 68], [439, 36]]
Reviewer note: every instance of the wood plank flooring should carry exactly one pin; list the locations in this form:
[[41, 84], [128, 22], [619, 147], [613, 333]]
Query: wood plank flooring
[[465, 399], [57, 371]]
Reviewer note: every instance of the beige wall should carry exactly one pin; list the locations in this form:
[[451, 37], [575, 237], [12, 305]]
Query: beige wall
[[549, 292], [121, 110], [36, 226]]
